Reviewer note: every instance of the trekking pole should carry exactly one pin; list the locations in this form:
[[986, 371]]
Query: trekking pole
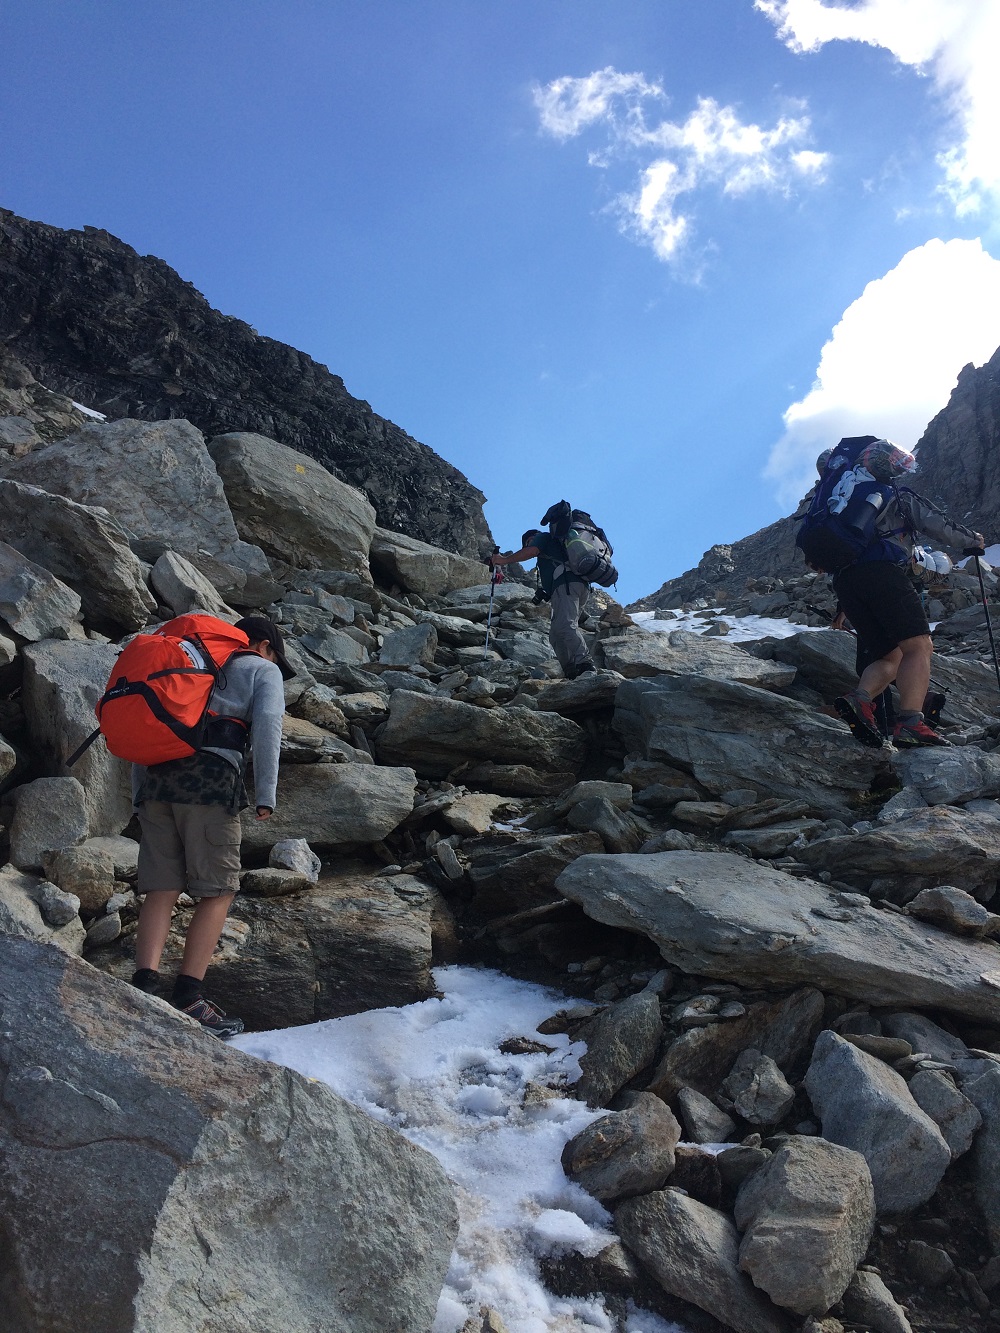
[[496, 576], [989, 623]]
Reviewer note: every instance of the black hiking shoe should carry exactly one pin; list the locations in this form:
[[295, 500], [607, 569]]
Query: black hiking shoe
[[906, 735], [859, 715], [211, 1017]]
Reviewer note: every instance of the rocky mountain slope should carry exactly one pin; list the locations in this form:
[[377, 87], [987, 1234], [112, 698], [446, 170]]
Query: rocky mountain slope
[[777, 939], [124, 334], [959, 455]]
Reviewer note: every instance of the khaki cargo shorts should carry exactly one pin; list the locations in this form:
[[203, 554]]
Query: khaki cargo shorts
[[193, 849]]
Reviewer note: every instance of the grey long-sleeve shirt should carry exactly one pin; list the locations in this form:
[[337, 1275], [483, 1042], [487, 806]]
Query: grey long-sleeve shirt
[[250, 689]]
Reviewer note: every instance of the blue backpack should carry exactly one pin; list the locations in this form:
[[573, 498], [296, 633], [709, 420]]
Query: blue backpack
[[839, 528]]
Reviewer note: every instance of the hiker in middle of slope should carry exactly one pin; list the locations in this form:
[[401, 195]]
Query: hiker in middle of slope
[[860, 529], [562, 587]]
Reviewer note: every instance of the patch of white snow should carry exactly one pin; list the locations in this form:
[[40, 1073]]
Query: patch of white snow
[[742, 629], [88, 411]]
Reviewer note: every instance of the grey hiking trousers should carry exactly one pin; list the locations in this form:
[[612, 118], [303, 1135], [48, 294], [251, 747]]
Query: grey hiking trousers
[[568, 644]]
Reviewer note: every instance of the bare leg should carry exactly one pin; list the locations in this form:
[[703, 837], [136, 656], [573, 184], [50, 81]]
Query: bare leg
[[203, 934], [154, 924], [880, 674], [914, 675]]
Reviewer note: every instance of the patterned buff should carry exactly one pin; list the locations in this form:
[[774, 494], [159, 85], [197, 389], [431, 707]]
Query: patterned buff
[[885, 460]]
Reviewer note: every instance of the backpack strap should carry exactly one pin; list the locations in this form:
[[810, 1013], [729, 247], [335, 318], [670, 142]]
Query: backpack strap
[[81, 750]]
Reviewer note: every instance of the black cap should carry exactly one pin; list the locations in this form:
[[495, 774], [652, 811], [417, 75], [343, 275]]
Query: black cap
[[259, 629]]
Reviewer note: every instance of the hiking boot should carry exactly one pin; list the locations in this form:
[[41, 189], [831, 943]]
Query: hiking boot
[[212, 1018], [933, 705], [905, 735], [859, 714]]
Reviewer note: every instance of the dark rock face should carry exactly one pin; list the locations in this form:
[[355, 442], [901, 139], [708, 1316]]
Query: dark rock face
[[126, 335], [769, 553]]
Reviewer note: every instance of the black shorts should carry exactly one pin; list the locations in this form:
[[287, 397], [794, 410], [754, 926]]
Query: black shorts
[[882, 604]]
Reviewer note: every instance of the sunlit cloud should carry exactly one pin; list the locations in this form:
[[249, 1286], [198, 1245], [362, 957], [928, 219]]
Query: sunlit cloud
[[953, 42], [893, 359], [711, 147]]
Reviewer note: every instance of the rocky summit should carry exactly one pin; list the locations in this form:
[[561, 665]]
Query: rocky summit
[[780, 949], [91, 319]]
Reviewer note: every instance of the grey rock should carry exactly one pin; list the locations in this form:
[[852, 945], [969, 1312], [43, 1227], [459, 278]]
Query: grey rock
[[731, 735], [984, 1093], [49, 814], [19, 432], [952, 908], [807, 1216], [124, 853], [924, 1034], [626, 1153], [869, 1302], [291, 506], [758, 1090], [773, 839], [225, 1137], [929, 1264], [681, 653], [413, 646], [531, 650], [304, 743], [434, 735], [273, 882], [511, 874], [86, 871], [473, 812], [155, 477], [955, 1116], [334, 804], [621, 1042], [8, 761], [865, 1105], [504, 594], [900, 805], [418, 567], [334, 645], [318, 705], [738, 1164], [445, 856], [592, 692], [695, 906], [57, 907], [949, 776], [619, 794], [823, 659], [179, 585], [22, 899], [596, 814], [33, 602], [453, 630], [703, 1121], [103, 930], [62, 683], [693, 1252], [82, 546], [295, 854]]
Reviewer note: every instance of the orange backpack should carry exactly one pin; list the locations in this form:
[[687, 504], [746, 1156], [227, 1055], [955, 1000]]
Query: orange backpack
[[155, 705]]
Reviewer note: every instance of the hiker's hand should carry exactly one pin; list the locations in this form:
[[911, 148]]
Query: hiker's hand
[[978, 547], [264, 812], [840, 621], [496, 559]]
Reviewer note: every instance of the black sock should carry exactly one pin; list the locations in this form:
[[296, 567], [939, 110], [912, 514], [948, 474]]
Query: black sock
[[186, 990], [145, 979]]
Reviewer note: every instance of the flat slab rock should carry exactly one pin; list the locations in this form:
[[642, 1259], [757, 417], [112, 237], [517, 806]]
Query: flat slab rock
[[681, 653], [717, 915]]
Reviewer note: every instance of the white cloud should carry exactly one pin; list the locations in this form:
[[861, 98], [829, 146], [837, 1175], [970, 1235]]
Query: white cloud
[[713, 146], [892, 361], [954, 41]]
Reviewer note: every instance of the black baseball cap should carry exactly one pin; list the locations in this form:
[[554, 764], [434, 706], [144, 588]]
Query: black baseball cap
[[259, 629]]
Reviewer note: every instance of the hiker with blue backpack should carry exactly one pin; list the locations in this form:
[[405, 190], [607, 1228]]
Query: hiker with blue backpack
[[571, 555], [860, 528]]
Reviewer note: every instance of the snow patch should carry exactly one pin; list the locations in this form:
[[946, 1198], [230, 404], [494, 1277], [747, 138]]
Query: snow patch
[[742, 629], [88, 411]]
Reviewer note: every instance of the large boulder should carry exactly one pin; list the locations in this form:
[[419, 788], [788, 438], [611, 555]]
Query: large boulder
[[621, 1042], [807, 1216], [33, 602], [434, 735], [921, 849], [512, 874], [735, 736], [984, 1093], [865, 1105], [27, 906], [417, 567], [680, 653], [154, 477], [82, 546], [949, 776], [626, 1153], [334, 804], [718, 915], [823, 659], [183, 588], [693, 1252], [218, 1185], [291, 506], [50, 814], [62, 683]]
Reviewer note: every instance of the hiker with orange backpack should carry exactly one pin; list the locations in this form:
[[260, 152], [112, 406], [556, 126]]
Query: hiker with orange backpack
[[189, 805]]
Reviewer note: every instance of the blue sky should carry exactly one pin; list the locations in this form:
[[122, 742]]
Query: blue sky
[[649, 256]]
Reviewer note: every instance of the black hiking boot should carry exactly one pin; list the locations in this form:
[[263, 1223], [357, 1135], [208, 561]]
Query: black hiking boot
[[859, 715], [211, 1017]]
